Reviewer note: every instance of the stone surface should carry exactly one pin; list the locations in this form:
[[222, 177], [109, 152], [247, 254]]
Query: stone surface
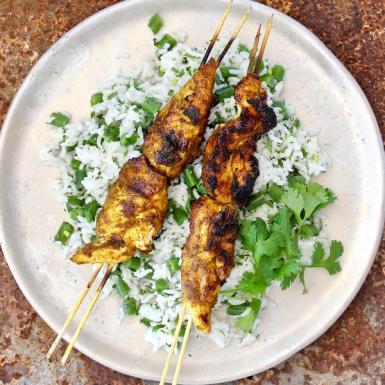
[[352, 351]]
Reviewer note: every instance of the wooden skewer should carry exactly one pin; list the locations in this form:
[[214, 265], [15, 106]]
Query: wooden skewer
[[217, 31], [87, 314], [253, 51], [182, 351], [234, 35], [264, 41], [173, 344], [73, 311]]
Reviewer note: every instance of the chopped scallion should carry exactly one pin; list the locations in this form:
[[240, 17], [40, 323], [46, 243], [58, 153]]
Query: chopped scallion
[[96, 98], [90, 210], [75, 164], [189, 176], [126, 140], [270, 80], [122, 288], [161, 285], [73, 201], [146, 122], [112, 95], [112, 132], [58, 119], [243, 48], [179, 215], [225, 92], [145, 321], [76, 213], [201, 188], [151, 105], [237, 309], [155, 23], [64, 232], [70, 148], [278, 72], [226, 71], [79, 176], [130, 306], [173, 264], [133, 263], [92, 140], [166, 39]]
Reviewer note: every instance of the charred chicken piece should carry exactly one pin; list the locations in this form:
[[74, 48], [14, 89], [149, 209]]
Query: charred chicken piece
[[174, 138], [229, 165], [208, 257], [131, 217]]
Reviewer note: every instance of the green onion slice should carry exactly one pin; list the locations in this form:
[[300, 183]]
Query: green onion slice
[[58, 119], [122, 288], [64, 233], [155, 23], [225, 92], [166, 39], [96, 98]]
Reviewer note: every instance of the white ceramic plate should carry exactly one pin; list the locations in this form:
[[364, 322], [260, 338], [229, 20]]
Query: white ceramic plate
[[325, 96]]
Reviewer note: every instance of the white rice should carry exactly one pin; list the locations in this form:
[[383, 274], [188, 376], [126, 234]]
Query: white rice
[[280, 152]]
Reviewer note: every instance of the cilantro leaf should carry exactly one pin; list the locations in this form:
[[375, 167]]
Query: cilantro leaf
[[246, 323], [265, 271], [248, 234], [331, 263], [293, 199], [304, 200], [296, 180], [309, 230], [288, 273], [270, 247], [318, 254], [315, 197], [252, 284], [282, 223]]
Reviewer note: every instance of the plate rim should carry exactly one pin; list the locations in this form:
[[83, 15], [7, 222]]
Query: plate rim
[[336, 64]]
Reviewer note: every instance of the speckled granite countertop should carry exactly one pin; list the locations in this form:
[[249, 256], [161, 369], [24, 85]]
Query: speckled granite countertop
[[351, 352]]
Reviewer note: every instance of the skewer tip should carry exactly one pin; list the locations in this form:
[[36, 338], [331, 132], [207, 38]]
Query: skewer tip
[[234, 35], [254, 50], [217, 31], [264, 41]]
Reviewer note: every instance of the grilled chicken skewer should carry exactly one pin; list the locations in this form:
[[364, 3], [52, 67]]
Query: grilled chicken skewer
[[174, 138], [208, 257], [229, 171], [131, 217], [136, 203], [229, 166]]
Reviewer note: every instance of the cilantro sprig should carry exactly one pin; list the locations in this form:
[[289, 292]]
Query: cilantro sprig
[[274, 243]]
